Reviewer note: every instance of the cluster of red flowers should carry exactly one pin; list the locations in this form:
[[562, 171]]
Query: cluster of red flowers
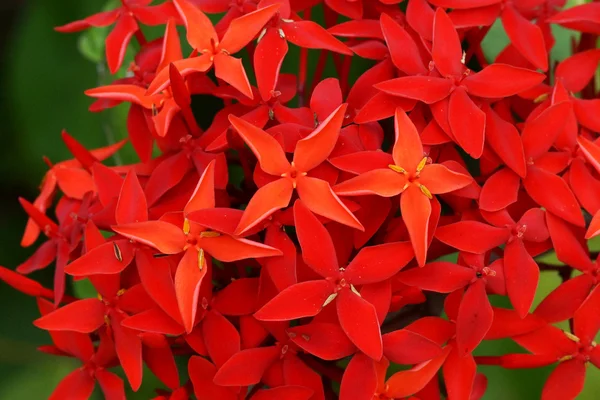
[[314, 273]]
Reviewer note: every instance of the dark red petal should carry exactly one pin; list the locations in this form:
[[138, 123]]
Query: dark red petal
[[440, 277], [322, 339], [526, 37], [467, 122], [360, 379], [446, 51], [407, 347], [246, 367], [79, 384]]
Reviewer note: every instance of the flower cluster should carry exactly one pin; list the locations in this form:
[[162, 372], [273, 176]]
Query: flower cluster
[[339, 237]]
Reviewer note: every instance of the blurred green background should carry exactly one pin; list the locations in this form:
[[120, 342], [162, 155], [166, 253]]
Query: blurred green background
[[43, 76]]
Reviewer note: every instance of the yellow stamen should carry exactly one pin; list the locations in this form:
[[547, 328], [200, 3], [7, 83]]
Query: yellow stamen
[[571, 336], [425, 191], [397, 169], [99, 297], [354, 290], [209, 234], [201, 259], [117, 251], [329, 299], [565, 358], [107, 320], [121, 292], [422, 164], [541, 98], [186, 226]]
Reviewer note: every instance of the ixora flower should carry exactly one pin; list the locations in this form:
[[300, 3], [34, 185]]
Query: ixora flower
[[294, 230]]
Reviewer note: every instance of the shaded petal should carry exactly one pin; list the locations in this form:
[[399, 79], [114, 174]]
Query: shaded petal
[[586, 320], [406, 383], [227, 249], [108, 258], [246, 367], [79, 384], [204, 193], [439, 179], [526, 37], [403, 49], [268, 57], [360, 379], [407, 347], [472, 236], [540, 133], [118, 39], [500, 190], [200, 30], [132, 206], [566, 381], [322, 339], [231, 70]]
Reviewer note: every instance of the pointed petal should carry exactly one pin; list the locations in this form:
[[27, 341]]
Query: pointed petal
[[382, 182], [408, 150], [540, 134], [322, 339], [360, 379], [221, 337], [416, 210], [472, 236], [129, 350], [268, 57], [526, 37], [243, 29], [403, 50], [378, 263], [563, 203], [586, 318], [440, 277], [591, 151], [246, 367], [316, 147], [188, 278], [268, 199], [301, 300], [467, 122], [310, 35], [204, 193], [428, 89], [108, 258], [500, 190], [501, 80], [77, 385], [118, 39], [566, 381], [522, 275], [317, 246], [200, 30], [132, 206], [407, 347], [231, 70], [265, 147], [83, 316], [318, 196], [446, 51], [358, 319], [111, 384], [439, 179], [563, 301], [406, 383], [503, 137], [475, 316], [227, 249], [163, 236]]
